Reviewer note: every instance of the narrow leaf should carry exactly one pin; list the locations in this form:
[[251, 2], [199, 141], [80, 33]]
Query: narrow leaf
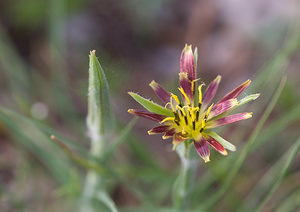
[[46, 130], [247, 99], [99, 123], [123, 134], [290, 203], [80, 160], [35, 141], [106, 200], [100, 119], [151, 106]]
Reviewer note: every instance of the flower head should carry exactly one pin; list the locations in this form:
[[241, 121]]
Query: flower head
[[191, 117]]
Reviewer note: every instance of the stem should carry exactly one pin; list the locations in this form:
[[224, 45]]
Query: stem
[[184, 182], [93, 180], [99, 124]]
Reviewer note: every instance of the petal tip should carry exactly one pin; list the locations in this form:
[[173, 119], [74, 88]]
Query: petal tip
[[225, 153], [164, 137], [130, 111], [256, 95], [153, 84], [187, 47], [234, 102], [206, 159], [92, 52], [248, 115], [218, 78]]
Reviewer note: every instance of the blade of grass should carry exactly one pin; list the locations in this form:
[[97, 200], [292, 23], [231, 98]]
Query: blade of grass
[[80, 160], [14, 67], [121, 138], [278, 125], [291, 203], [264, 189], [36, 142], [276, 64], [47, 131], [94, 163], [103, 197], [144, 155], [242, 156]]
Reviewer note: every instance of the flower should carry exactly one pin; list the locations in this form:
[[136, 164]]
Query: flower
[[192, 117]]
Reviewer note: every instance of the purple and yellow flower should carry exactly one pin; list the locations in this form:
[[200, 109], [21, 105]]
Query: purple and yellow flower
[[190, 116]]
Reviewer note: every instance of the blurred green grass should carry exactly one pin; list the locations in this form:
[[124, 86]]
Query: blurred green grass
[[140, 176]]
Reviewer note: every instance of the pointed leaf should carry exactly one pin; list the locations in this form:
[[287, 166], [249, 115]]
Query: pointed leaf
[[247, 99], [151, 106], [100, 119]]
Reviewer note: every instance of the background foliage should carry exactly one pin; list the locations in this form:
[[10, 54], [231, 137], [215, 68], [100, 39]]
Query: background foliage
[[44, 48]]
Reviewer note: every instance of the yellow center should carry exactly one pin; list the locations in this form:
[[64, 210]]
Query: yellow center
[[188, 119]]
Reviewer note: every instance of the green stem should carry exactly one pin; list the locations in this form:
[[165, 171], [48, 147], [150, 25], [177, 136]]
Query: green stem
[[184, 182], [93, 179]]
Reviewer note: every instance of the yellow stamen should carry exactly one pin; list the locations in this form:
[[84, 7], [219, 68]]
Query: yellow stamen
[[168, 119], [193, 116], [208, 110], [248, 115], [200, 93], [184, 94], [182, 110], [203, 124], [193, 84], [175, 98], [171, 102]]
